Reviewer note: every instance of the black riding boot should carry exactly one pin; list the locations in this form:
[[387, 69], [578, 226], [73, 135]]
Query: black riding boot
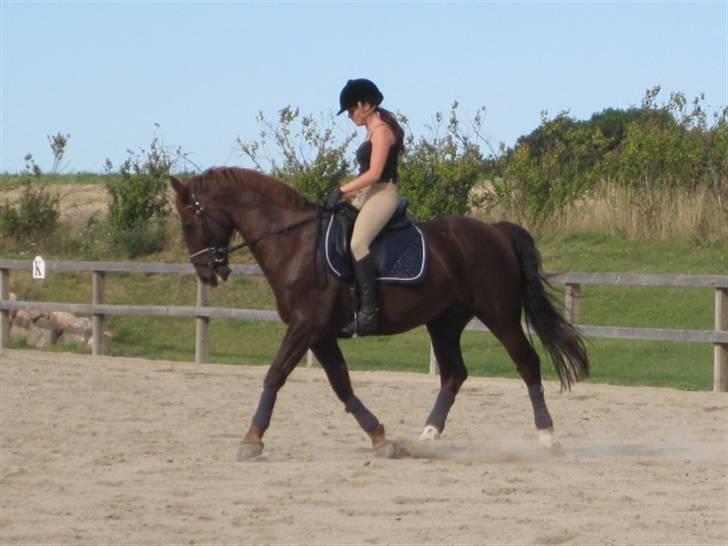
[[366, 322]]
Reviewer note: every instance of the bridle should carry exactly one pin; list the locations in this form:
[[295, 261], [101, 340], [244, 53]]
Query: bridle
[[217, 255]]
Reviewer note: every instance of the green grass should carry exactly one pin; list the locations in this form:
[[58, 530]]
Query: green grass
[[596, 252], [680, 365], [631, 306], [9, 181]]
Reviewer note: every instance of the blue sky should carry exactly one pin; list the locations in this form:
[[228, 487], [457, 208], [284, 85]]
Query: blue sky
[[106, 72]]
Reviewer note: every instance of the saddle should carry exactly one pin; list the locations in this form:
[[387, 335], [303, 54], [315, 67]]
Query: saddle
[[400, 250]]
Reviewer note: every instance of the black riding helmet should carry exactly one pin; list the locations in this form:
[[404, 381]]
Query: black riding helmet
[[359, 90]]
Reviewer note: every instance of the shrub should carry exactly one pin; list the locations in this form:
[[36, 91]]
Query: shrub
[[439, 173], [309, 156], [58, 143], [142, 240], [138, 199], [665, 148], [551, 167], [35, 215], [654, 148]]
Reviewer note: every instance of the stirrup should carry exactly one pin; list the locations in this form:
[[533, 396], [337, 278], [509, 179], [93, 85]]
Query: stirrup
[[370, 327]]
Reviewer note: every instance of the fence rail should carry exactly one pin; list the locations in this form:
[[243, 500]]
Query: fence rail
[[203, 312]]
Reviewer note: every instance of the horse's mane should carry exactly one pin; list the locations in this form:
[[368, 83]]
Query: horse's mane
[[275, 190]]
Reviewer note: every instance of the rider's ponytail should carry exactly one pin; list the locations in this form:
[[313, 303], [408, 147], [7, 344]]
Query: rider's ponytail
[[390, 119]]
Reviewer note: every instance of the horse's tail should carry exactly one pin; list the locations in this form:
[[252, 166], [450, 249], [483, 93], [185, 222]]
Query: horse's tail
[[561, 339]]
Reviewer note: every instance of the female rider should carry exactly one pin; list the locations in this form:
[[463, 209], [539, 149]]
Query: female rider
[[374, 190]]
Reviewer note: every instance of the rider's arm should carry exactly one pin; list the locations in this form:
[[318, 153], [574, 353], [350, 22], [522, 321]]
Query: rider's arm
[[382, 140]]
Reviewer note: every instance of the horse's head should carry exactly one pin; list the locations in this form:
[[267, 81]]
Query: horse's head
[[207, 232]]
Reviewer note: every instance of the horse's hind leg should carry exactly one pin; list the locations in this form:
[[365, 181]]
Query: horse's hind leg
[[328, 353], [528, 365], [445, 331]]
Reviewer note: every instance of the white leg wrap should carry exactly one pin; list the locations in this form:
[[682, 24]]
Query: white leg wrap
[[430, 433]]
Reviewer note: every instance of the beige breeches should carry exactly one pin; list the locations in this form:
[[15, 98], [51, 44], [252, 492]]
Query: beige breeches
[[376, 204]]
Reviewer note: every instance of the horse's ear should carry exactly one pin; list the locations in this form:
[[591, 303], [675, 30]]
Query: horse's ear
[[182, 191]]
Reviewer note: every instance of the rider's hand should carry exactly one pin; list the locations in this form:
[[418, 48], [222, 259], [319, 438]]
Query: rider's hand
[[332, 198]]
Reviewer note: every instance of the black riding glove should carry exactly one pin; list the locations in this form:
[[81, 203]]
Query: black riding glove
[[332, 198]]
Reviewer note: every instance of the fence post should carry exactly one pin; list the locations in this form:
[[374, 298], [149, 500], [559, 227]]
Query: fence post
[[572, 302], [5, 313], [202, 330], [434, 366], [720, 350], [97, 298]]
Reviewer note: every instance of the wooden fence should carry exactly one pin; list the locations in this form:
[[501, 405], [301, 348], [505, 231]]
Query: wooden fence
[[202, 312]]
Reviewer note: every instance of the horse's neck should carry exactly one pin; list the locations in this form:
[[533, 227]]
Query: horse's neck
[[257, 217]]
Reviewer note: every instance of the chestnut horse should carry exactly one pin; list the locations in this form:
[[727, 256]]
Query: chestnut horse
[[489, 271]]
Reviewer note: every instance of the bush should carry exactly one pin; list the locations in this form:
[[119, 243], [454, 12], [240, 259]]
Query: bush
[[35, 216], [309, 157], [551, 167], [439, 173], [138, 199], [665, 148], [654, 148], [142, 240]]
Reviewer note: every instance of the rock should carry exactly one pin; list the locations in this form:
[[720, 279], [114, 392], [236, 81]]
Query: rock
[[42, 330], [68, 338], [108, 336], [79, 328], [45, 323], [18, 331], [42, 335], [22, 319], [62, 319], [34, 314]]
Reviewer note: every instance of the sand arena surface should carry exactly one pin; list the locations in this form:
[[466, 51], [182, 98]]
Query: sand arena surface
[[127, 451]]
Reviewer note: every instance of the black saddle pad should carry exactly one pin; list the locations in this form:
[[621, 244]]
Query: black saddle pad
[[400, 250]]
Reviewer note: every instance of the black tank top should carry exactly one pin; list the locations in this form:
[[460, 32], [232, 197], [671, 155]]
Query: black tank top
[[364, 155]]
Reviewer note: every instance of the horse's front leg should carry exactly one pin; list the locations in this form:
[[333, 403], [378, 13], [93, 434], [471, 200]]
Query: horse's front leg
[[295, 343], [328, 353]]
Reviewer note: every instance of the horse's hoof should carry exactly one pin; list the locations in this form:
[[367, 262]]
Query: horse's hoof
[[430, 433], [391, 450], [546, 440], [249, 451]]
